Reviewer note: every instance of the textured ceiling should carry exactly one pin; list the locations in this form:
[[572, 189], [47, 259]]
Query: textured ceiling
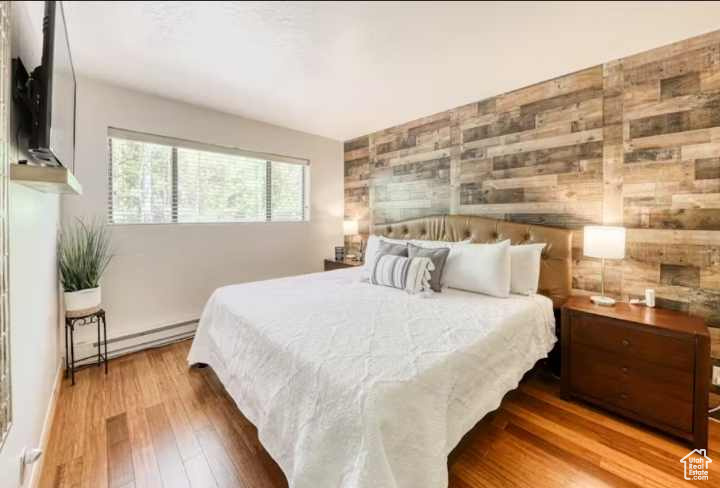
[[345, 69]]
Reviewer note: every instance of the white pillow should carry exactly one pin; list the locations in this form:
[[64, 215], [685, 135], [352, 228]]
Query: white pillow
[[440, 244], [371, 249], [436, 244], [481, 268], [525, 268]]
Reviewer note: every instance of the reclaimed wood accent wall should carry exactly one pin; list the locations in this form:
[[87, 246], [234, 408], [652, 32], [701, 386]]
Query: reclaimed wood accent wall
[[633, 142]]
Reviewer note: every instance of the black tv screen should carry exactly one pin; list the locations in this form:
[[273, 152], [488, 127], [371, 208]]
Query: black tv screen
[[53, 138]]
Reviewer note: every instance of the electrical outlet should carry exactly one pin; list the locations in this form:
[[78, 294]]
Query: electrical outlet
[[716, 375]]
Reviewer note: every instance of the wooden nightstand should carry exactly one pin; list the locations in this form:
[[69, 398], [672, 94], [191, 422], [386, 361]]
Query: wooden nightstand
[[331, 264], [650, 365]]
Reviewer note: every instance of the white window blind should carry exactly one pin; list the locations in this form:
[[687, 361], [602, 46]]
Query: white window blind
[[154, 179]]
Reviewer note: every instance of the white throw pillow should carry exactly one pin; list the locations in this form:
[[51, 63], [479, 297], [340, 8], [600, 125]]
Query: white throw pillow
[[525, 268], [371, 249], [439, 244], [481, 268]]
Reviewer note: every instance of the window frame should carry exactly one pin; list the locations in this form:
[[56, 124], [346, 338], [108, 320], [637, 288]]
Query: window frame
[[174, 144]]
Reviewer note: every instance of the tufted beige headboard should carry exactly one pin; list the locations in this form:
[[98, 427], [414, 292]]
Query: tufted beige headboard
[[556, 266]]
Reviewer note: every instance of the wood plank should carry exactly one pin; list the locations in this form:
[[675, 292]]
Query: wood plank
[[670, 105], [172, 470], [673, 139], [589, 208], [684, 84], [527, 182], [664, 52], [119, 452], [701, 151], [182, 428], [199, 472], [222, 467], [145, 465], [689, 120], [675, 237], [95, 451], [545, 143], [707, 169], [588, 78], [613, 178], [696, 200], [677, 275]]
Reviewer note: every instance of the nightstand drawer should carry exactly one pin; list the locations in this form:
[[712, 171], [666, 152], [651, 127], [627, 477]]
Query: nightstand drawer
[[630, 340], [589, 363], [635, 393], [657, 408]]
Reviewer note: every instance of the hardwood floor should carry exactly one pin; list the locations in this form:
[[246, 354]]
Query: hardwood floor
[[152, 422]]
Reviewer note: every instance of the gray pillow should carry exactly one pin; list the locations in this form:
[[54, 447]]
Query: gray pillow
[[392, 249], [437, 255]]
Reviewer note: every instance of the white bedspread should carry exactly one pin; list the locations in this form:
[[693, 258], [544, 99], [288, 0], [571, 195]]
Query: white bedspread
[[359, 386]]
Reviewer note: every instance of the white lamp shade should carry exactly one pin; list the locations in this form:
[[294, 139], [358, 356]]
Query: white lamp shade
[[604, 242], [350, 228]]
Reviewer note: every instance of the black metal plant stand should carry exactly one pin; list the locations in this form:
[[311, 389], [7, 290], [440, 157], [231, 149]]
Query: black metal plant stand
[[82, 320]]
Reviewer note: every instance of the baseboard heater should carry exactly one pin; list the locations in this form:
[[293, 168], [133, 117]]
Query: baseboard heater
[[138, 341]]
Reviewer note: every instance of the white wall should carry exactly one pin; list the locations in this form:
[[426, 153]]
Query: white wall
[[163, 274], [34, 330]]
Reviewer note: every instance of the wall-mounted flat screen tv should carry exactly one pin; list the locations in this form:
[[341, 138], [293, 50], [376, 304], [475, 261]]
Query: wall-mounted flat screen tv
[[52, 137]]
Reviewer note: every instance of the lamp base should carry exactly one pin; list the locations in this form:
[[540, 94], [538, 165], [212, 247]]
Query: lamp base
[[602, 300]]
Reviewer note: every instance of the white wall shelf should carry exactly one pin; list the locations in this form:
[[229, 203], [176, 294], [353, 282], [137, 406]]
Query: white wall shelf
[[47, 179]]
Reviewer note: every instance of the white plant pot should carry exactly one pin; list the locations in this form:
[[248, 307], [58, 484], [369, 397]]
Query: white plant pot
[[82, 299]]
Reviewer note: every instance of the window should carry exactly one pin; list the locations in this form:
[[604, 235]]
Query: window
[[155, 180]]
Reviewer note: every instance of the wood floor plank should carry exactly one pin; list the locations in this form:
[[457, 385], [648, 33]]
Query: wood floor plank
[[199, 472], [162, 379], [73, 436], [153, 422], [249, 464], [222, 467], [95, 452], [172, 470], [182, 428], [148, 387], [114, 399], [178, 383], [53, 459], [119, 452], [145, 466]]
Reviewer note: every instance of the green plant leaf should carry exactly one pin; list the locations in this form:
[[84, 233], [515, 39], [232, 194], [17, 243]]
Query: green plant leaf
[[83, 254]]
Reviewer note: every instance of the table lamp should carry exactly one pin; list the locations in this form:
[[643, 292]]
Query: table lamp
[[350, 229], [603, 242]]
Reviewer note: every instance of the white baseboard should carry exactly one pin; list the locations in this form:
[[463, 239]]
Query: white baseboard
[[129, 343], [36, 468]]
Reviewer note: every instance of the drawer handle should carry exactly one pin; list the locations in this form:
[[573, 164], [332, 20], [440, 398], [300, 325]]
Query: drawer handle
[[623, 396], [625, 342], [624, 370]]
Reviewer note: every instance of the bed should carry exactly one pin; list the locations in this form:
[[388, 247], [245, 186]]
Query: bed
[[358, 386]]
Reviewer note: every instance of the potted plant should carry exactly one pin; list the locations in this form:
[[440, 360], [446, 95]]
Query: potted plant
[[83, 255]]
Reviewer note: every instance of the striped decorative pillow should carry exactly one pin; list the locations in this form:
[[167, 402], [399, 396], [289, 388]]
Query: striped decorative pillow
[[409, 274]]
